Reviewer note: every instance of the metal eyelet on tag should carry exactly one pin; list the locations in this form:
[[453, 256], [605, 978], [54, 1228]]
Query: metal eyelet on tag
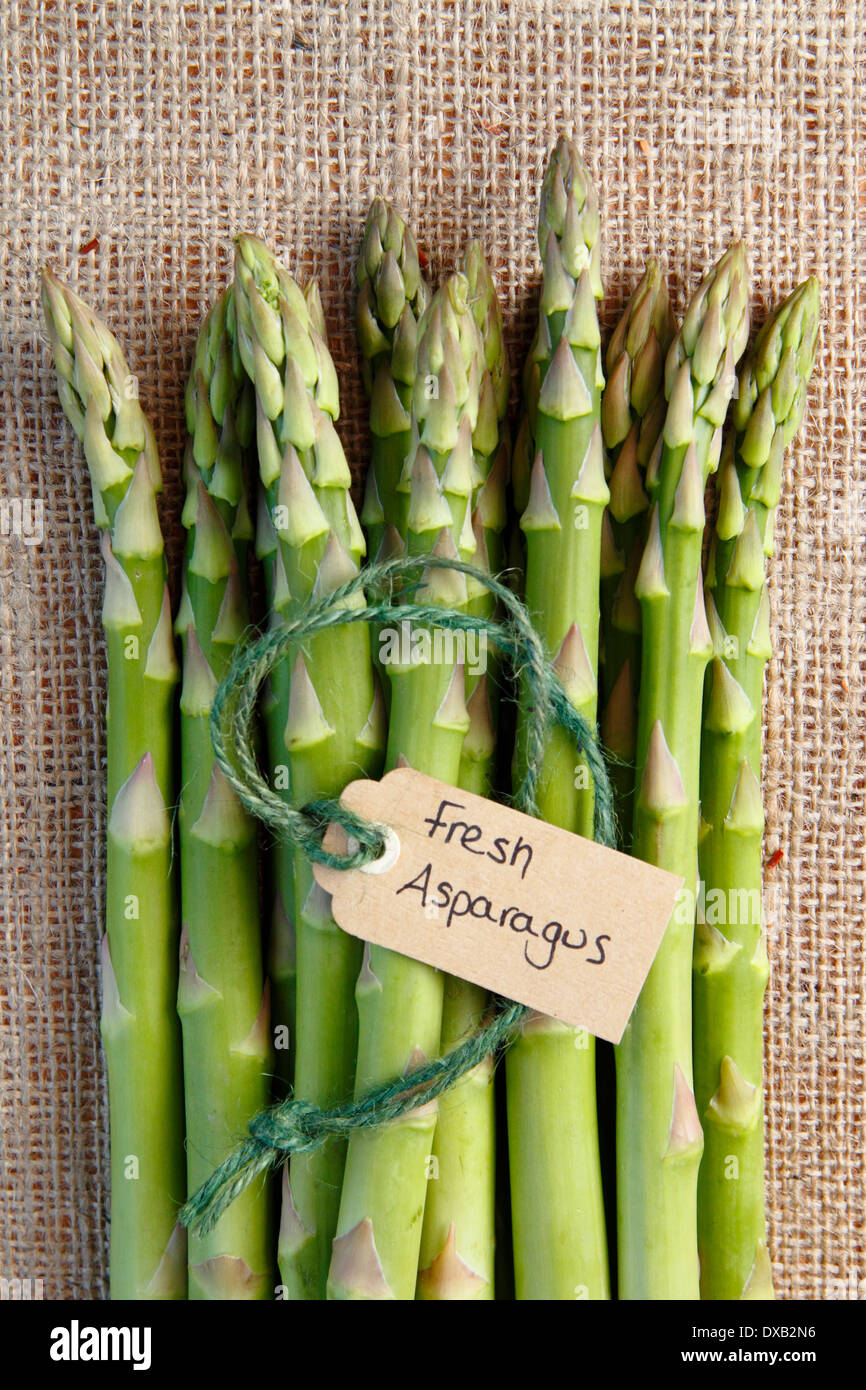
[[389, 856]]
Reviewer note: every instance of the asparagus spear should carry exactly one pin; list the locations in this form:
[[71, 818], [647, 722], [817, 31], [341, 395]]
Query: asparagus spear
[[487, 312], [335, 725], [659, 1136], [392, 295], [282, 943], [222, 999], [282, 948], [140, 1028], [400, 1001], [488, 507], [632, 414], [560, 1247], [492, 448], [730, 959], [458, 1237]]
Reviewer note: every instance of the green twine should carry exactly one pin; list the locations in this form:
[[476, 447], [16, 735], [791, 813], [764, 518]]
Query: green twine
[[297, 1126]]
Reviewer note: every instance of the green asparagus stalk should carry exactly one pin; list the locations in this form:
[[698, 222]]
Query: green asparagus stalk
[[392, 296], [140, 1028], [282, 949], [560, 1249], [521, 471], [282, 943], [400, 1001], [659, 1137], [222, 999], [282, 946], [632, 414], [458, 1236], [388, 306], [487, 312], [458, 1241], [492, 449], [334, 729], [730, 958]]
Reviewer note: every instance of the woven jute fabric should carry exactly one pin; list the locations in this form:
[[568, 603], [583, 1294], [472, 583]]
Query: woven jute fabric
[[151, 133]]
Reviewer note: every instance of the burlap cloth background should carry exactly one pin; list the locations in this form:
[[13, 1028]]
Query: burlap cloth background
[[162, 128]]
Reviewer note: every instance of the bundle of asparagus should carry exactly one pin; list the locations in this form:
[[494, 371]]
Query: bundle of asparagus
[[608, 482]]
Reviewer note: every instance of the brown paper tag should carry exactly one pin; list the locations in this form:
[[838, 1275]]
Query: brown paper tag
[[491, 895]]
